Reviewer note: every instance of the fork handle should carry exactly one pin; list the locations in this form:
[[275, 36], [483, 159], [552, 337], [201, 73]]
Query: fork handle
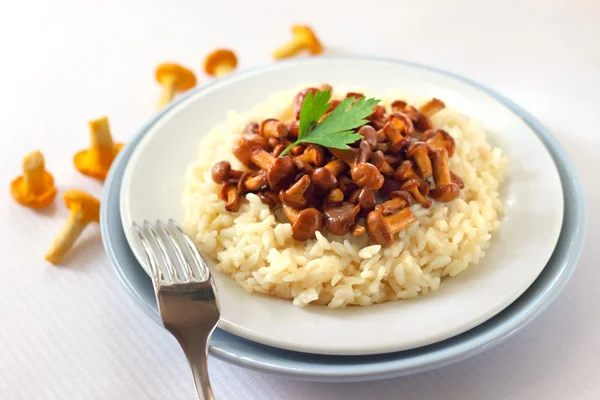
[[196, 353]]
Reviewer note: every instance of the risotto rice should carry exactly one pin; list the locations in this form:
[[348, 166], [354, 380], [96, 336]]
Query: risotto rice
[[257, 250]]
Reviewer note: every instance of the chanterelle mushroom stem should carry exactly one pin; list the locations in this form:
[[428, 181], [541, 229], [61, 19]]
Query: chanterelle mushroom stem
[[432, 107], [418, 189], [441, 172], [168, 91], [102, 145], [445, 189], [336, 167], [230, 194], [400, 220], [84, 209], [66, 237], [289, 49], [419, 152], [34, 172], [261, 158], [223, 69], [304, 38]]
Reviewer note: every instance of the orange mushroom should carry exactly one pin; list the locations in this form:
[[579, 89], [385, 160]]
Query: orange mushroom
[[381, 229], [96, 160], [445, 188], [432, 107], [305, 223], [304, 39], [220, 62], [419, 152], [173, 78], [84, 209], [35, 188]]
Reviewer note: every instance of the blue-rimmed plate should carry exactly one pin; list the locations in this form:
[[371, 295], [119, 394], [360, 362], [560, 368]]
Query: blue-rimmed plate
[[153, 187], [272, 360]]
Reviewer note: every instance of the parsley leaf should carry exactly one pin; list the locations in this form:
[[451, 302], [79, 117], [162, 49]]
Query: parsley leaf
[[313, 108], [336, 129]]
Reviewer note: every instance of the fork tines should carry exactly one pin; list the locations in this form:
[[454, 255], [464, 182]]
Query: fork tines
[[164, 243]]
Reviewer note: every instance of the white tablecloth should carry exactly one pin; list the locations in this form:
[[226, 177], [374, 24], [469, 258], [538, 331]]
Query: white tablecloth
[[74, 333]]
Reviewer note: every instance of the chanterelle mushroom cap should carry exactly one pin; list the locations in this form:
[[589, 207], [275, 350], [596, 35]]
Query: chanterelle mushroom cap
[[340, 218], [445, 193], [378, 230], [84, 202], [381, 229], [439, 139], [220, 57], [295, 195], [281, 172], [314, 45], [305, 223], [35, 188], [365, 174], [171, 73]]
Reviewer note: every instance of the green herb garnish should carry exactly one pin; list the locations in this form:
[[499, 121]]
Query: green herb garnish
[[335, 130]]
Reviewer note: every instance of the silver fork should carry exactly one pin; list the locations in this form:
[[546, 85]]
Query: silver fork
[[185, 293]]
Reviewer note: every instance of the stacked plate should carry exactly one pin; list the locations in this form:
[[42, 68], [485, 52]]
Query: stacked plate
[[530, 260]]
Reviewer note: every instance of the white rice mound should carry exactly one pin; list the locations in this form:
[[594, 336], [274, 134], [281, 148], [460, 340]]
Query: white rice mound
[[257, 250]]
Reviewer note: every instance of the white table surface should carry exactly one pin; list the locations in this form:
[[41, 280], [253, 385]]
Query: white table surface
[[72, 332]]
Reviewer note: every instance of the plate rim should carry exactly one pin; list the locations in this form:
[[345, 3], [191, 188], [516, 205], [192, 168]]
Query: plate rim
[[254, 333], [575, 246]]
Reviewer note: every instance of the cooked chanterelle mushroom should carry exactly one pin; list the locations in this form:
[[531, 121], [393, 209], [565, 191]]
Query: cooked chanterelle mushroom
[[84, 209], [304, 39], [220, 62], [368, 187], [173, 78], [35, 188], [381, 229], [305, 223]]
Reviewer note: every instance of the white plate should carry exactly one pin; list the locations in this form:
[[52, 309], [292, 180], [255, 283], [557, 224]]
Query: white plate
[[153, 187]]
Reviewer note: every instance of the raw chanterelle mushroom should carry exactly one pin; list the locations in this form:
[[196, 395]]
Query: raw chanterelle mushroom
[[304, 39], [84, 209], [220, 62], [35, 188], [173, 78], [96, 160]]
